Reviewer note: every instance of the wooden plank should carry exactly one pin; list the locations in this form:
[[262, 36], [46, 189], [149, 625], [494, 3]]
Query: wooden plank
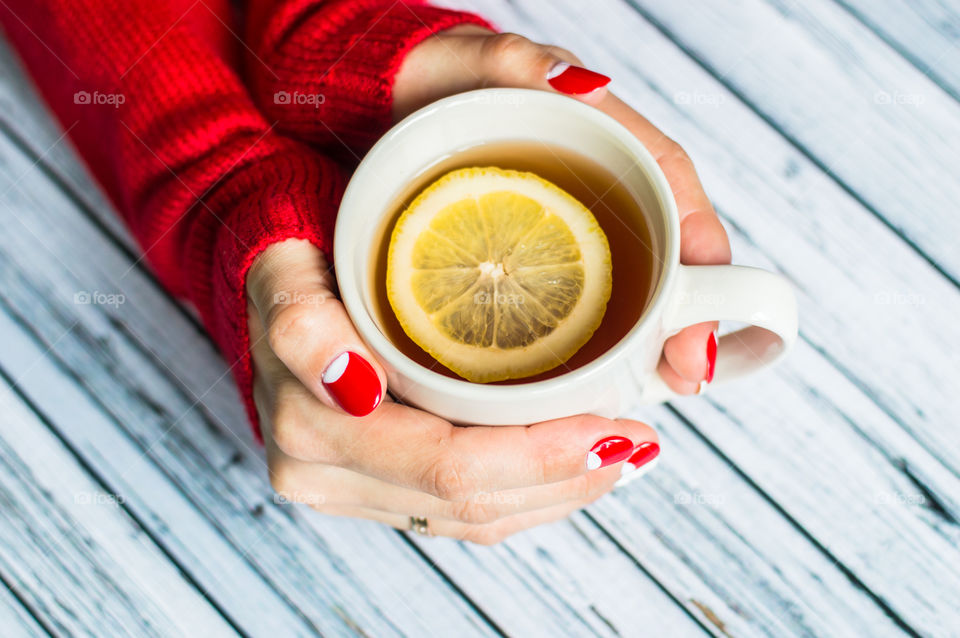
[[16, 620], [578, 576], [146, 367], [579, 581], [864, 114], [745, 568], [75, 554], [858, 285], [216, 565], [868, 509], [925, 32]]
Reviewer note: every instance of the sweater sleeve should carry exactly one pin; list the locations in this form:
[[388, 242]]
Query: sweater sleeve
[[324, 69], [154, 106]]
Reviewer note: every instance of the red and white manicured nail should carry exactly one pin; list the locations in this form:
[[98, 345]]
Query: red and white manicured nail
[[353, 383], [575, 80], [643, 459], [711, 356], [608, 451]]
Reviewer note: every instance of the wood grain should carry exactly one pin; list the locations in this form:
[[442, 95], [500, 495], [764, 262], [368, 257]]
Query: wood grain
[[16, 619], [924, 32], [71, 550], [867, 117], [820, 499], [584, 583]]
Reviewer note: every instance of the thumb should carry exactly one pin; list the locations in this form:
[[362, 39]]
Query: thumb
[[309, 330], [467, 57], [511, 60]]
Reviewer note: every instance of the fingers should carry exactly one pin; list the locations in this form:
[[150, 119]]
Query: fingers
[[309, 330], [414, 449], [483, 534], [469, 57], [314, 483], [508, 59], [673, 379], [418, 450], [703, 238], [689, 356], [692, 355]]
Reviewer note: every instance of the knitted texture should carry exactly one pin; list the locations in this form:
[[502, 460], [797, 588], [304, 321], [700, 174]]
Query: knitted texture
[[152, 99], [324, 71]]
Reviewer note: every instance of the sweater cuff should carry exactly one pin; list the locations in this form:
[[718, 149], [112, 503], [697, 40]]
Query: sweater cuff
[[335, 87], [290, 195]]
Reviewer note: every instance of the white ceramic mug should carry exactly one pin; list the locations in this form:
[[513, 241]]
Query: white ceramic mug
[[625, 375]]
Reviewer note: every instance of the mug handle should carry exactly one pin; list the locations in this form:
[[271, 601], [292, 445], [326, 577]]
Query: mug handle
[[735, 293]]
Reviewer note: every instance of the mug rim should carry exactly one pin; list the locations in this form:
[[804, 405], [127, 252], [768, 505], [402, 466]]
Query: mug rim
[[416, 373]]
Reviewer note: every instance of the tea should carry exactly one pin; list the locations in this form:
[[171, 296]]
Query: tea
[[626, 228]]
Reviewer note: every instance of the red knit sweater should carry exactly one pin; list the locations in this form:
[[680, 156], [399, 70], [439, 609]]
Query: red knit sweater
[[151, 93]]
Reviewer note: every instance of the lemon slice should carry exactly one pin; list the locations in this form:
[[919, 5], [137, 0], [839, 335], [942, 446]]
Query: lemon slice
[[498, 274]]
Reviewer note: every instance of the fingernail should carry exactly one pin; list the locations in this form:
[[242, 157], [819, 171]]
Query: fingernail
[[644, 458], [575, 80], [608, 451], [711, 355], [353, 383], [642, 454]]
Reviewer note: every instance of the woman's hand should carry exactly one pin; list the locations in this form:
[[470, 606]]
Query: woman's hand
[[470, 57], [334, 444]]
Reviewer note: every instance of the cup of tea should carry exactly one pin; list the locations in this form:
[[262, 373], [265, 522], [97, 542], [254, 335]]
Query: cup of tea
[[599, 162]]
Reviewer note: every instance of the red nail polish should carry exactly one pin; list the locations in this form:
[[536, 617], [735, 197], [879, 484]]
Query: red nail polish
[[642, 454], [353, 383], [575, 80], [711, 355], [608, 451]]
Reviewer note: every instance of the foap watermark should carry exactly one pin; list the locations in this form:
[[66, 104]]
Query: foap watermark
[[97, 298], [499, 498], [698, 98], [896, 298], [899, 98], [284, 298], [306, 498], [898, 498], [696, 497], [700, 298], [286, 98], [501, 299], [98, 98], [509, 99], [98, 498]]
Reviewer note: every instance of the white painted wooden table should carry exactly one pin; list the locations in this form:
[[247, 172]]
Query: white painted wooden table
[[821, 499]]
